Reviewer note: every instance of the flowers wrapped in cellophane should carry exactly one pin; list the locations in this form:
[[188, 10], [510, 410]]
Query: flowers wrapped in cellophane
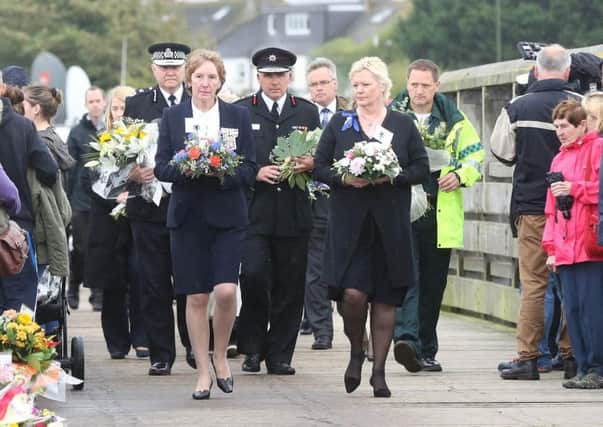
[[370, 161], [117, 151], [299, 143], [204, 156]]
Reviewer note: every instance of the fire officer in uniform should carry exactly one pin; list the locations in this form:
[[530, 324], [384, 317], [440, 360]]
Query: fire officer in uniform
[[148, 221], [275, 251]]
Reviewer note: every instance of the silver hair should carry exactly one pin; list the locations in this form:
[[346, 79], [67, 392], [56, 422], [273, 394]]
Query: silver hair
[[377, 68], [553, 58], [1, 81], [323, 63]]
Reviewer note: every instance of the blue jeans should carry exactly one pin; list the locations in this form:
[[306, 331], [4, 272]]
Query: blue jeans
[[582, 302], [545, 358]]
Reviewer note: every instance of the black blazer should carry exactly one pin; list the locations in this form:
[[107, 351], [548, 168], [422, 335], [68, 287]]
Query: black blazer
[[389, 204], [222, 205], [279, 210]]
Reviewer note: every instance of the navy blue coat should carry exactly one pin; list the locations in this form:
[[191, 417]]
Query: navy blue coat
[[222, 205]]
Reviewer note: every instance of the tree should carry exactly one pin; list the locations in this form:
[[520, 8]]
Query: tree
[[89, 34], [458, 34]]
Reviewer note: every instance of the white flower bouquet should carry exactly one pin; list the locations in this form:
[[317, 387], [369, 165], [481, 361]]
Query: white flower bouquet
[[370, 161]]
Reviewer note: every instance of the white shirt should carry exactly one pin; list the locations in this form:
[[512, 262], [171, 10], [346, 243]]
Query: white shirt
[[423, 118], [280, 102], [208, 122], [177, 94]]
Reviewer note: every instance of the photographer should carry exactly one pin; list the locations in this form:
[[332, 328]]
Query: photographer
[[564, 238]]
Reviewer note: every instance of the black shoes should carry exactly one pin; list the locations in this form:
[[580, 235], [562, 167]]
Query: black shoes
[[203, 394], [322, 343], [190, 358], [353, 372], [251, 363], [160, 368], [142, 352], [117, 355], [431, 365], [406, 355], [224, 384], [305, 328], [570, 368], [280, 368], [377, 381], [73, 301], [521, 370]]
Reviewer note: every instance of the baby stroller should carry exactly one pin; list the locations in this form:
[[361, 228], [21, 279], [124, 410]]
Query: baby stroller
[[51, 313]]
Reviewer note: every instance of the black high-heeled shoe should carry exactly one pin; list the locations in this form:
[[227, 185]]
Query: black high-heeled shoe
[[377, 381], [203, 394], [224, 384], [353, 373]]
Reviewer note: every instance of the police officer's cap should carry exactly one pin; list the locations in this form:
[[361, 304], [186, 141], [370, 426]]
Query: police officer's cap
[[273, 60], [169, 54]]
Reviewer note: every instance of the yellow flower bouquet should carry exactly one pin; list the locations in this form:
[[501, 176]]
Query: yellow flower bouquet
[[26, 340]]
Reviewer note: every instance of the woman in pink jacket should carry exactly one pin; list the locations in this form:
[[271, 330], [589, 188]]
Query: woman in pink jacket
[[566, 209]]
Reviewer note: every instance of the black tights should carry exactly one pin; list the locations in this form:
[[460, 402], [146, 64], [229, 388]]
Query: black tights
[[383, 316]]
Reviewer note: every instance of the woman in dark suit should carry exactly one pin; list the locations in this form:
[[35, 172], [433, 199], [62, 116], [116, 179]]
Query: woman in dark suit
[[369, 257], [206, 218]]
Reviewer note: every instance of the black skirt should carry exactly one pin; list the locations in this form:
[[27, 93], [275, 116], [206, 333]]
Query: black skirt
[[367, 270], [204, 256]]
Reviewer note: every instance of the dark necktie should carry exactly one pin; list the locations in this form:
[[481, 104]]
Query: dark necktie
[[172, 99], [274, 111], [324, 117]]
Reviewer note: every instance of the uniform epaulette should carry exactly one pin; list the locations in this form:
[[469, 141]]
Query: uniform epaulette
[[144, 90], [295, 98], [243, 99]]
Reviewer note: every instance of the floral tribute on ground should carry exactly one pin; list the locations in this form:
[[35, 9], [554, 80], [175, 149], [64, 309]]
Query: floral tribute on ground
[[27, 370]]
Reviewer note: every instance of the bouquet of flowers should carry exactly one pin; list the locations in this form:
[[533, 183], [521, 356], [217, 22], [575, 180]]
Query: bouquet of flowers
[[26, 340], [203, 156], [116, 151], [299, 143], [435, 140], [369, 160]]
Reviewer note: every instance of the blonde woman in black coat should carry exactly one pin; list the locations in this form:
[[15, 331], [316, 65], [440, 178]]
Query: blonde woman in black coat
[[369, 256]]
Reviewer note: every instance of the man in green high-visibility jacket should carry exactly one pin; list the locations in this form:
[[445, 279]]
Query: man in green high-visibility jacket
[[455, 157]]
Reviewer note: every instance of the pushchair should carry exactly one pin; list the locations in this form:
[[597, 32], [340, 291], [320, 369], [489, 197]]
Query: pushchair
[[52, 312]]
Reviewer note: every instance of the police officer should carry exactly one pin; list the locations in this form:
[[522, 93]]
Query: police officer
[[148, 221], [275, 250]]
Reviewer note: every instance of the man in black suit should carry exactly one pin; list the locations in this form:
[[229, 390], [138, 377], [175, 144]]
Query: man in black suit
[[148, 221], [322, 82], [274, 254]]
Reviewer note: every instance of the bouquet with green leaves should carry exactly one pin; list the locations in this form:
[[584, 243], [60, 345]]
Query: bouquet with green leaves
[[287, 149]]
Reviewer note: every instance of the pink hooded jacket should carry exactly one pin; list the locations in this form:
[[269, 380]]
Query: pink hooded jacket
[[564, 238]]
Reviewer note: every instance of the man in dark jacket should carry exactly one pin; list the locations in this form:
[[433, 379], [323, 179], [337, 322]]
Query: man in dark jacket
[[148, 221], [274, 253], [524, 136], [80, 136], [318, 313]]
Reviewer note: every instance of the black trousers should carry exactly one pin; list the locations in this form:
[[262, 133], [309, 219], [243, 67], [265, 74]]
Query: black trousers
[[317, 304], [433, 265], [272, 291], [152, 244], [79, 232]]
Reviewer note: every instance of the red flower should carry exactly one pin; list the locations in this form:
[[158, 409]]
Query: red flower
[[215, 161], [194, 153]]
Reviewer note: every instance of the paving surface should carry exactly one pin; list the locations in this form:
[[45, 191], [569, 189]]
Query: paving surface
[[467, 393]]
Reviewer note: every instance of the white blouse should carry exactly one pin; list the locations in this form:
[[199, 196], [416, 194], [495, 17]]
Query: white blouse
[[207, 123]]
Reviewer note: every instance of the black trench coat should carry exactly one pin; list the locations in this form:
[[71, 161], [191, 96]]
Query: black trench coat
[[388, 203]]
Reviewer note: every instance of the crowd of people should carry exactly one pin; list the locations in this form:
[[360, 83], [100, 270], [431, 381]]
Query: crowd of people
[[354, 242]]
